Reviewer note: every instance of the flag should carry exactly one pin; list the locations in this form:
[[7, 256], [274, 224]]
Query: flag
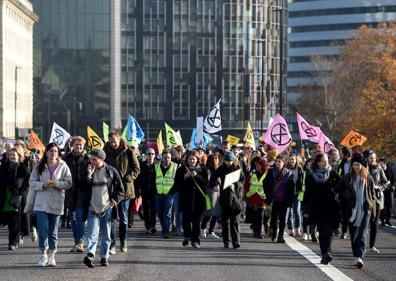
[[199, 138], [325, 143], [353, 139], [307, 132], [212, 122], [160, 144], [59, 136], [153, 145], [171, 137], [232, 139], [134, 132], [278, 135], [35, 142], [194, 144], [178, 138], [249, 138], [106, 130], [94, 141]]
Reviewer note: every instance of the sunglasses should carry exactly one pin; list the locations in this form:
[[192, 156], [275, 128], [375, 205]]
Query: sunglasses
[[150, 153]]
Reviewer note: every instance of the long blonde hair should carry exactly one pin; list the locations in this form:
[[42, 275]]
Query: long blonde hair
[[364, 174]]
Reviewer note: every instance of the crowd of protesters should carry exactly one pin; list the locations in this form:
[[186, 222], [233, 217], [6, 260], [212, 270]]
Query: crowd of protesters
[[316, 198]]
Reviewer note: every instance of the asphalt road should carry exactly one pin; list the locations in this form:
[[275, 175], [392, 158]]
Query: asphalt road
[[153, 258]]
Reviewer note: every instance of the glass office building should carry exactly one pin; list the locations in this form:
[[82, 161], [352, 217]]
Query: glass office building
[[71, 64]]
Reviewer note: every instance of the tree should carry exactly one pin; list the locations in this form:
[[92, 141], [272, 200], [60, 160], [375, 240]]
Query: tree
[[362, 89]]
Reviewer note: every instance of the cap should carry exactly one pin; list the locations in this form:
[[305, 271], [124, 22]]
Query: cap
[[98, 153], [229, 156]]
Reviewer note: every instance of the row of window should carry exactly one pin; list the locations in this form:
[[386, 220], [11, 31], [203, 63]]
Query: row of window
[[317, 43], [330, 27], [343, 11]]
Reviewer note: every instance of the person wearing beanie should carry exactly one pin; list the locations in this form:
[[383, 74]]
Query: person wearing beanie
[[381, 183], [357, 197], [105, 190]]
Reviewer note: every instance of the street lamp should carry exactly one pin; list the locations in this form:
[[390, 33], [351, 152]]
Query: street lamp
[[16, 99]]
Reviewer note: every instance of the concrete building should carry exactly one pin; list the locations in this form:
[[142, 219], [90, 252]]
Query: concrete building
[[16, 66], [160, 61], [320, 28]]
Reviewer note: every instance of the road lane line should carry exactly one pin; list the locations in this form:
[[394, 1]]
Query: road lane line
[[307, 253]]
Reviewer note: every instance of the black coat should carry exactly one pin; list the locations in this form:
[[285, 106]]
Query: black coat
[[269, 185], [17, 179], [347, 196], [145, 182], [320, 199], [191, 198]]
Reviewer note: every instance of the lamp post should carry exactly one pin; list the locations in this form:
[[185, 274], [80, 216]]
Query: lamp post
[[16, 99]]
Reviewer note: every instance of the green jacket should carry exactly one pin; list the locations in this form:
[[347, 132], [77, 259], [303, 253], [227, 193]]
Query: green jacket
[[125, 161]]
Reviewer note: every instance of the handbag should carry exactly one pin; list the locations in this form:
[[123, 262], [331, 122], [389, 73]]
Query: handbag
[[208, 202], [15, 200]]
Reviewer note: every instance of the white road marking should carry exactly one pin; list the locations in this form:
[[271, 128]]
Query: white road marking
[[307, 253]]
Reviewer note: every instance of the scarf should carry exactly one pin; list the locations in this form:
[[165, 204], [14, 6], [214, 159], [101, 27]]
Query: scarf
[[321, 176], [358, 210]]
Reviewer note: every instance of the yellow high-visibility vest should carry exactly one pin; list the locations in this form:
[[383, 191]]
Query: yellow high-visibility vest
[[256, 186], [165, 183]]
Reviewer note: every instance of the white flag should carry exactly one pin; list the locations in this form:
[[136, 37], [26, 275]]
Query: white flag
[[59, 136], [199, 139], [212, 122], [178, 137]]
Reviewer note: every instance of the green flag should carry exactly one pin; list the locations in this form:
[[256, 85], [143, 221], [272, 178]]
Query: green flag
[[171, 138], [124, 137], [106, 130]]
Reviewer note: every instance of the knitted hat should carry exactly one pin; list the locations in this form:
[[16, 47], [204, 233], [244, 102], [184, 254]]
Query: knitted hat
[[358, 157], [98, 153], [229, 156]]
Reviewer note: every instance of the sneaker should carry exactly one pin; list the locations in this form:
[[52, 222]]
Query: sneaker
[[388, 223], [123, 247], [80, 248], [43, 261], [374, 250], [326, 259], [236, 246], [51, 262], [343, 236], [212, 235], [195, 245], [153, 230], [203, 233], [104, 262], [291, 233], [185, 242], [313, 238], [280, 240], [148, 231], [226, 245], [12, 247], [112, 250], [20, 242], [89, 260], [298, 232], [382, 223], [305, 237], [33, 235], [359, 263]]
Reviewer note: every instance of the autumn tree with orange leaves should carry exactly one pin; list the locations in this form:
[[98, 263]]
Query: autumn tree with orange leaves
[[362, 89]]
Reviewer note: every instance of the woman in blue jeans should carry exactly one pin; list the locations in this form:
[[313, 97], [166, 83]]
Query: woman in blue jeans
[[49, 180]]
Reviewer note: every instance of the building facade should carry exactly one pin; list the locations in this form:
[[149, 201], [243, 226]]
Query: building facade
[[172, 61], [16, 66], [320, 28]]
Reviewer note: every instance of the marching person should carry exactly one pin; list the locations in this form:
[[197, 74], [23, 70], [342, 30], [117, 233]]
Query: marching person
[[191, 180], [125, 161], [104, 190], [386, 213], [357, 196], [14, 181], [320, 202], [146, 183], [255, 197], [381, 183], [78, 161], [50, 178], [230, 200], [165, 172]]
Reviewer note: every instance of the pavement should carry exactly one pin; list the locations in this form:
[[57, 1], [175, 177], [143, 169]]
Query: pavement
[[150, 257]]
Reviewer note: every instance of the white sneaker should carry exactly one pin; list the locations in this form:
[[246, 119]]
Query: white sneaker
[[291, 232], [213, 235], [359, 263], [305, 237], [374, 250], [51, 262], [20, 242], [203, 233], [43, 261], [34, 235]]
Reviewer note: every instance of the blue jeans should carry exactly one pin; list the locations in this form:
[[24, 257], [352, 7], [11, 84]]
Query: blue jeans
[[163, 205], [77, 225], [359, 236], [176, 211], [47, 231], [99, 223], [296, 214], [123, 208]]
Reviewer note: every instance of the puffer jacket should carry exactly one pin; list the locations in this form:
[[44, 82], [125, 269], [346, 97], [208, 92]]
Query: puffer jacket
[[50, 200], [125, 161]]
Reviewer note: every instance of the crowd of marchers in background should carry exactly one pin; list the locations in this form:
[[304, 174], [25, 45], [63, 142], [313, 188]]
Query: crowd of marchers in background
[[318, 197]]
